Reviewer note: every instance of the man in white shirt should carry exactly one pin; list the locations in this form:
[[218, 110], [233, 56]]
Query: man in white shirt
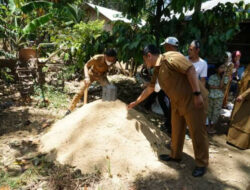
[[199, 64]]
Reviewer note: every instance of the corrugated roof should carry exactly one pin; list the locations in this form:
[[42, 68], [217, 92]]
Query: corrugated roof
[[112, 15], [206, 6]]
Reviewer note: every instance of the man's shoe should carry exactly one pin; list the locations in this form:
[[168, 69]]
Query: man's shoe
[[67, 113], [167, 158], [199, 171]]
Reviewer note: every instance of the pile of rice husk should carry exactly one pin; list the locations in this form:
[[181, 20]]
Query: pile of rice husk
[[105, 136]]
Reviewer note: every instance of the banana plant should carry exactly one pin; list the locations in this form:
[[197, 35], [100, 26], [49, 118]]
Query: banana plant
[[14, 28], [19, 23]]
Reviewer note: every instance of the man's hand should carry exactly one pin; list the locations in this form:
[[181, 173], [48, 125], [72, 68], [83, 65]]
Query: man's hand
[[131, 105], [198, 102], [87, 81], [239, 98]]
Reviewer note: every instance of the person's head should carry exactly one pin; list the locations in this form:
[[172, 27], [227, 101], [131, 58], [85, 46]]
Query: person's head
[[220, 68], [110, 56], [236, 55], [194, 49], [227, 57], [150, 55], [170, 44]]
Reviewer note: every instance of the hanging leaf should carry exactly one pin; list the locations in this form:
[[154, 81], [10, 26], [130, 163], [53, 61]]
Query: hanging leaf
[[5, 31], [35, 5], [33, 25], [12, 6]]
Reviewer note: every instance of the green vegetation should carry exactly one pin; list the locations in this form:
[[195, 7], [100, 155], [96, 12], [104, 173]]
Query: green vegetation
[[55, 98], [48, 174], [15, 182], [65, 25]]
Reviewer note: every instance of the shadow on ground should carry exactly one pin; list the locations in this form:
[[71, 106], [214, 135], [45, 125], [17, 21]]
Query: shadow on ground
[[183, 180]]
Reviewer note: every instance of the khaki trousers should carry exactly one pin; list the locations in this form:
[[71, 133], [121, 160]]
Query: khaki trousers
[[195, 119], [103, 82]]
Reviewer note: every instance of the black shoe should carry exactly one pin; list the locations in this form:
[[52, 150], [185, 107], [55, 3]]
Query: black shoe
[[199, 171], [67, 113], [167, 158]]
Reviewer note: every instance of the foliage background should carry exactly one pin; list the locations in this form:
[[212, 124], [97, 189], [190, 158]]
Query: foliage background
[[64, 24]]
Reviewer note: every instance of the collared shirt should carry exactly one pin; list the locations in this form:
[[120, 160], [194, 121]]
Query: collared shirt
[[97, 66], [171, 69]]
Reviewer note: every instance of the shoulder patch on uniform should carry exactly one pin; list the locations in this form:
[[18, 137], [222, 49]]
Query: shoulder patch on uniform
[[98, 57], [169, 56]]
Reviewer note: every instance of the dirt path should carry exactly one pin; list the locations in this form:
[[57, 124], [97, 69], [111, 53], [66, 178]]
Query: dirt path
[[229, 167], [22, 126]]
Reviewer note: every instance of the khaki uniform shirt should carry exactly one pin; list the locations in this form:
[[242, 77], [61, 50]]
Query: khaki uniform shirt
[[240, 117], [97, 67], [170, 69]]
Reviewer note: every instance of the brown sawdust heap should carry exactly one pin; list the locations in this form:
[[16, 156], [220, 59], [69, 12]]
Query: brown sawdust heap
[[106, 136]]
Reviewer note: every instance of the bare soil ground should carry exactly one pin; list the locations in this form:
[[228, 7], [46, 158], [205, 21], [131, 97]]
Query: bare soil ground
[[22, 166]]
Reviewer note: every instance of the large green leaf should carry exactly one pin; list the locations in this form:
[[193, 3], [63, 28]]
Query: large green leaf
[[6, 31], [12, 5], [35, 5], [73, 12], [33, 25], [7, 54]]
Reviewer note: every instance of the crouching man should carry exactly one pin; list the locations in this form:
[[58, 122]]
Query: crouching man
[[94, 70], [177, 78]]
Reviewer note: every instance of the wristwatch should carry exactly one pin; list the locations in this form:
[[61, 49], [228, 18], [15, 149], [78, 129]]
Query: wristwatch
[[197, 93]]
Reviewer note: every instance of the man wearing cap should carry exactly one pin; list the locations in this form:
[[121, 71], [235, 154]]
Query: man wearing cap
[[177, 78], [95, 70], [171, 44], [199, 64]]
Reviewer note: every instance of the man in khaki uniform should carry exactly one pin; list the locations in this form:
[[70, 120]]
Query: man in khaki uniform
[[177, 78], [239, 131], [95, 70]]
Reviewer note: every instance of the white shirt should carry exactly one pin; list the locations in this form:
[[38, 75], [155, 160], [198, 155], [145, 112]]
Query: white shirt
[[157, 86], [200, 67]]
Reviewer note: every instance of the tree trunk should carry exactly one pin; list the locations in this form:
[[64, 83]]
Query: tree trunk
[[197, 7], [157, 19], [197, 10], [132, 65], [135, 69]]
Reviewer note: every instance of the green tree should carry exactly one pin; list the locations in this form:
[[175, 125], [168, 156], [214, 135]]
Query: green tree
[[212, 27], [23, 18], [16, 26], [130, 40], [81, 41]]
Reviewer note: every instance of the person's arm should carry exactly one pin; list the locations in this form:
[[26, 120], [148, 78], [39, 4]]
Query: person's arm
[[243, 95], [145, 93], [193, 81], [86, 71], [203, 81]]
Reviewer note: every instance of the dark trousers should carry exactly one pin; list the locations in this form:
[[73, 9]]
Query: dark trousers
[[166, 108]]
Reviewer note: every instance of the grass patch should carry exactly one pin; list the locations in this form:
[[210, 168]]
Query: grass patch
[[30, 175], [54, 97], [51, 175]]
